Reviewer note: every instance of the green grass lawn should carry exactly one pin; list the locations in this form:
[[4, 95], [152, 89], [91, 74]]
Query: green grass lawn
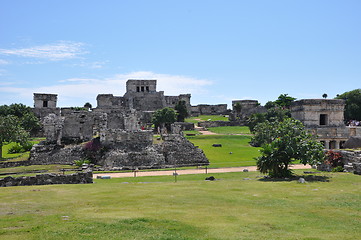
[[18, 156], [237, 206], [207, 118], [242, 153], [230, 130]]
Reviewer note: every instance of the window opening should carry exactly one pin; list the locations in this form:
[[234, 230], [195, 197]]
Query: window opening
[[323, 119], [45, 103]]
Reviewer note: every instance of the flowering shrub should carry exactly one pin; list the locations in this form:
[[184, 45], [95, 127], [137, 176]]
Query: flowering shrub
[[334, 159], [93, 145], [92, 148]]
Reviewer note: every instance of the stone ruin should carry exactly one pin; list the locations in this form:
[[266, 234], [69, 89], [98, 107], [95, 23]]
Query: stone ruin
[[324, 118], [118, 120], [205, 109], [351, 162], [243, 109], [48, 179], [121, 127]]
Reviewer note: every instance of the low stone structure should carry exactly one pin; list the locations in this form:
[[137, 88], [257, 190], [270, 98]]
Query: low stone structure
[[185, 126], [351, 161], [206, 109], [243, 109], [208, 124], [324, 119], [9, 164], [125, 151], [44, 154], [47, 179]]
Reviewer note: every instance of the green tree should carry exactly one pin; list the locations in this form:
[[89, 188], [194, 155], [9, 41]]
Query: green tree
[[11, 131], [353, 104], [27, 119], [285, 143], [270, 105], [255, 119], [88, 105], [182, 112], [30, 122], [271, 115], [324, 95], [284, 100], [163, 118]]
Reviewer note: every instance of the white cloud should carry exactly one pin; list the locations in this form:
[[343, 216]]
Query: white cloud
[[77, 91], [58, 51], [91, 65], [3, 62]]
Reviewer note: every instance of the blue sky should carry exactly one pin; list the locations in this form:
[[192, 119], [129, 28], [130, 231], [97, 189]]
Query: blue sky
[[218, 51]]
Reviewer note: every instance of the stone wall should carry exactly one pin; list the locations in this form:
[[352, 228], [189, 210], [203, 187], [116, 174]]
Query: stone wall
[[247, 108], [110, 101], [319, 112], [184, 126], [81, 126], [352, 161], [175, 150], [47, 179], [127, 151], [145, 101], [14, 164], [208, 124], [43, 154], [132, 140], [205, 109], [178, 151]]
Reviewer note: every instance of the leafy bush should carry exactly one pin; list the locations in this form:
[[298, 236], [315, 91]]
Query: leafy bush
[[27, 146], [16, 148], [20, 148], [338, 169], [79, 163]]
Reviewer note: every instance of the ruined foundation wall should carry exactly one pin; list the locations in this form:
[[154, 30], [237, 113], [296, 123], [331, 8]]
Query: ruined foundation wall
[[126, 151], [208, 124], [352, 161], [248, 107], [47, 179], [44, 154], [205, 109]]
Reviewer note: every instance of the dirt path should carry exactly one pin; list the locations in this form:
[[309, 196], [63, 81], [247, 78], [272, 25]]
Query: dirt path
[[188, 171]]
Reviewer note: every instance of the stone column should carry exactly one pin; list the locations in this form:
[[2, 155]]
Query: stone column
[[327, 144], [337, 144]]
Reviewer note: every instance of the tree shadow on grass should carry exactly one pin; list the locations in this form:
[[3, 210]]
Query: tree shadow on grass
[[312, 177]]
